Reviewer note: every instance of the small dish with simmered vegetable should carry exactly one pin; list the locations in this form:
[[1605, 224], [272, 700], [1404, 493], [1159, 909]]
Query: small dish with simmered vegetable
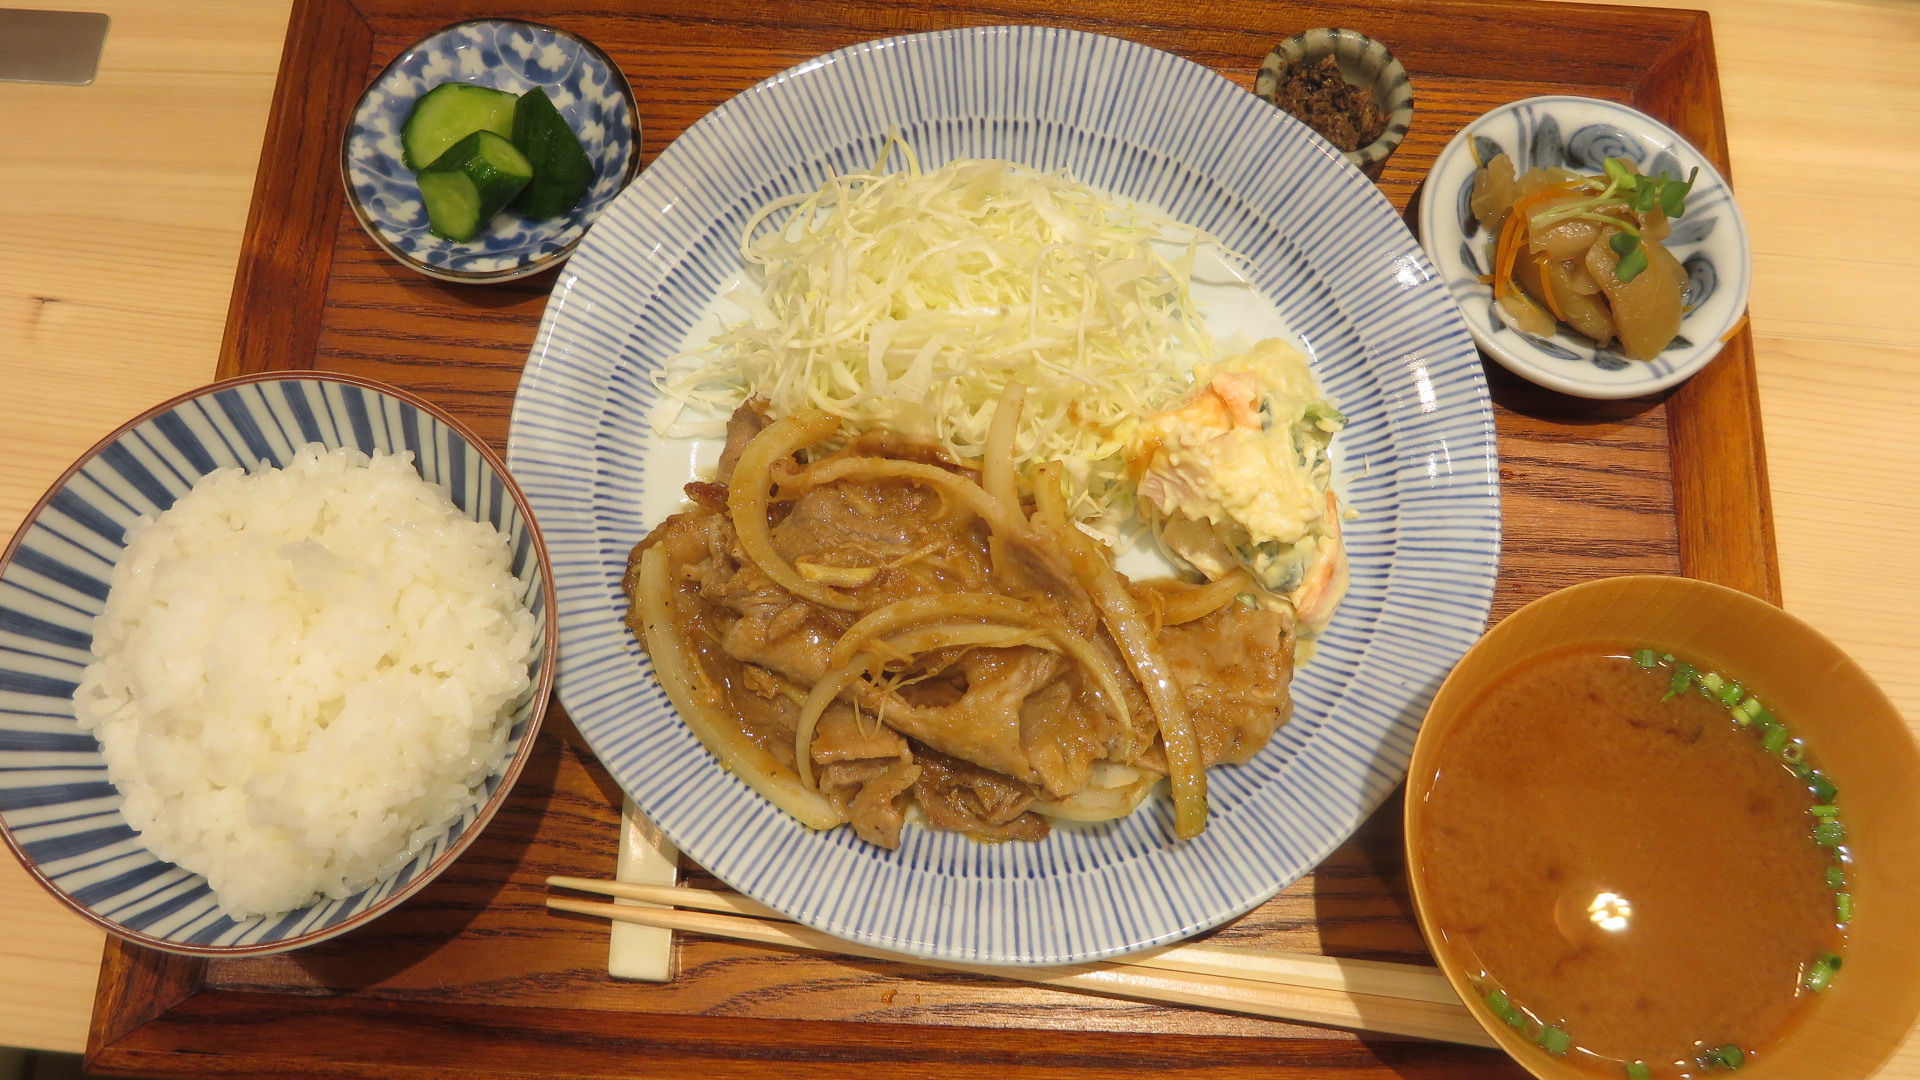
[[484, 151], [1591, 248]]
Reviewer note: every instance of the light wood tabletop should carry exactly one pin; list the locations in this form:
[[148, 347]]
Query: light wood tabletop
[[122, 206]]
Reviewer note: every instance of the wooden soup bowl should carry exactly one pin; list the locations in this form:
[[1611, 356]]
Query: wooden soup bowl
[[1853, 730]]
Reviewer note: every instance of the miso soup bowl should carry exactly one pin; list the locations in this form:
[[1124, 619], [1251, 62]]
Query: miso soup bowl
[[1859, 738]]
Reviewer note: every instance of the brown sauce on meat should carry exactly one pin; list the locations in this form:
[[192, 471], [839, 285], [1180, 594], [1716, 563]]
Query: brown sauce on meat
[[1639, 872], [976, 734]]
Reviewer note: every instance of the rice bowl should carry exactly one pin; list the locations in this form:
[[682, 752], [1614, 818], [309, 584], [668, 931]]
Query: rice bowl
[[59, 813], [302, 674]]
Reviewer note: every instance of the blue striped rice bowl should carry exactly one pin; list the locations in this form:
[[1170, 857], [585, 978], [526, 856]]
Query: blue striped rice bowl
[[58, 812]]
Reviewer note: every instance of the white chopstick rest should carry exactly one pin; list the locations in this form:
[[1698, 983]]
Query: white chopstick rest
[[647, 857]]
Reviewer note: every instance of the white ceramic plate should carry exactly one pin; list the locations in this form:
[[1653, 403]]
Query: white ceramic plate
[[1333, 263], [1710, 240]]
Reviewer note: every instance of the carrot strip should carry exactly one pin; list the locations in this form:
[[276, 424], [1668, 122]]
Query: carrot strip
[[1513, 233], [1540, 260]]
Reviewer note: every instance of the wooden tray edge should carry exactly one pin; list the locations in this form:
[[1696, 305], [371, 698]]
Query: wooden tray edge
[[260, 1037], [1723, 506], [151, 1013], [279, 289]]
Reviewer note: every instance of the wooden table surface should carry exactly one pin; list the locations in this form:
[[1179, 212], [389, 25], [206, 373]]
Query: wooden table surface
[[122, 206]]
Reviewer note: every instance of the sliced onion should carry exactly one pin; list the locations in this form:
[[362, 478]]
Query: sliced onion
[[956, 488], [1113, 792], [846, 577], [677, 668], [997, 470], [752, 489], [1189, 604], [822, 695], [918, 610], [1136, 640], [924, 639]]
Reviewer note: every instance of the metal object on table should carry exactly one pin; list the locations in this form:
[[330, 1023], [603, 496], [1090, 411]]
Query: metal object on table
[[60, 47]]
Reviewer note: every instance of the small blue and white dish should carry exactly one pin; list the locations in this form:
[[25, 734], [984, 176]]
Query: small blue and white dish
[[506, 54], [59, 813], [1579, 133], [1363, 62]]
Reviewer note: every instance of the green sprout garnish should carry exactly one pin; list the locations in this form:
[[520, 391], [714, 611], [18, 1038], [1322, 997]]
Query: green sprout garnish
[[1642, 193]]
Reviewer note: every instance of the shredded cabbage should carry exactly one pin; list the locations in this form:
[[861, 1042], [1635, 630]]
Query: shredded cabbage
[[908, 300]]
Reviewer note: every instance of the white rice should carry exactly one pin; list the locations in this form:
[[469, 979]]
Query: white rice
[[304, 675]]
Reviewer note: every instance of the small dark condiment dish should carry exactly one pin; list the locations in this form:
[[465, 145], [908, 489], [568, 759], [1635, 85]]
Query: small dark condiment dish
[[1364, 63]]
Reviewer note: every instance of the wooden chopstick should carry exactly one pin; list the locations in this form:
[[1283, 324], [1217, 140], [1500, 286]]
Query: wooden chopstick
[[1370, 977], [1288, 986]]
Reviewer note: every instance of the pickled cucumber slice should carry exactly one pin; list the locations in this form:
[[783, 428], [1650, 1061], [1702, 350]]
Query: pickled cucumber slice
[[468, 184], [450, 112], [562, 172]]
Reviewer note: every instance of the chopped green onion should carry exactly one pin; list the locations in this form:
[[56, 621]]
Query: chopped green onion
[[1829, 833], [1803, 770], [1555, 1040], [1730, 694], [1763, 717], [1843, 906], [1729, 1055], [1823, 810], [1775, 738], [1794, 752], [1637, 1070], [1823, 788], [1682, 675], [1645, 658], [1820, 973], [1712, 681], [1744, 712], [1498, 1004], [1836, 877]]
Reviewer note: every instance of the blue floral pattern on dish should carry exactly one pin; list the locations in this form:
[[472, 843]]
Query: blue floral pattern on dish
[[1580, 133], [585, 85]]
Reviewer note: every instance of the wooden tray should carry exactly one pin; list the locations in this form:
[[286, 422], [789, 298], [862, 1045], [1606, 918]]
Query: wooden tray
[[474, 978]]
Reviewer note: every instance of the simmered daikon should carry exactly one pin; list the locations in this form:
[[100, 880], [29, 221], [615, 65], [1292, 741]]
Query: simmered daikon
[[1585, 251]]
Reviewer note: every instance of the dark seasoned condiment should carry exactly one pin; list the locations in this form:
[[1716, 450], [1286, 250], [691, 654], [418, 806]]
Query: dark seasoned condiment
[[1321, 97]]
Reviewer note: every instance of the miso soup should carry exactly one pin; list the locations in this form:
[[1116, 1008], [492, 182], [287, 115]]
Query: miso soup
[[1636, 863]]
